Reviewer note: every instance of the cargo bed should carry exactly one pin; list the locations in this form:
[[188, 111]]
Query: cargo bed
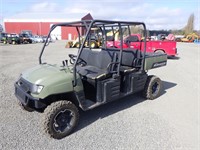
[[154, 60]]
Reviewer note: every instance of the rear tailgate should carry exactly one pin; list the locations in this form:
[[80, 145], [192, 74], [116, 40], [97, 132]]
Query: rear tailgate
[[155, 60]]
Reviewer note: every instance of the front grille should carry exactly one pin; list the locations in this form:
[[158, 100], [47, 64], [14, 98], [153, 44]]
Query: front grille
[[24, 85]]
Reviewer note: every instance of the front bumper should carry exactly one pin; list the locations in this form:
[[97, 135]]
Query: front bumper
[[27, 100]]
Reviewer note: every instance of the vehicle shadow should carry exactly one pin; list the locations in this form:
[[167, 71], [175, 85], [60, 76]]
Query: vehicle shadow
[[167, 85], [90, 116], [173, 57]]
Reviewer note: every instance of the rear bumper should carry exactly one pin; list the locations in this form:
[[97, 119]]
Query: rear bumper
[[175, 54], [27, 100]]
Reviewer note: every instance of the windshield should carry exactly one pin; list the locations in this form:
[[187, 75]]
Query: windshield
[[13, 35], [26, 35]]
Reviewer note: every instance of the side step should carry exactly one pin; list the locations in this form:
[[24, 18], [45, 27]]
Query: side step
[[88, 104]]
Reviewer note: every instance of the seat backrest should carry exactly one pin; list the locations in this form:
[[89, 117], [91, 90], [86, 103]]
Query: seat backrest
[[100, 59], [85, 54], [89, 56], [105, 58], [128, 56], [93, 58]]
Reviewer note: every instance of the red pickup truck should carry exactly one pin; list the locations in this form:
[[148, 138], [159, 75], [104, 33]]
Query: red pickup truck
[[134, 41]]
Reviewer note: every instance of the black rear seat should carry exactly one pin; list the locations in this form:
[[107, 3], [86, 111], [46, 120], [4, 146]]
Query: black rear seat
[[102, 64], [131, 59], [98, 64]]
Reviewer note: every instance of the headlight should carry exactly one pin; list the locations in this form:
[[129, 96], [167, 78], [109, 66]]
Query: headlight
[[37, 89]]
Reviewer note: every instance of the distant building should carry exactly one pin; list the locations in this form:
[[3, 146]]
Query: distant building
[[38, 27], [42, 27]]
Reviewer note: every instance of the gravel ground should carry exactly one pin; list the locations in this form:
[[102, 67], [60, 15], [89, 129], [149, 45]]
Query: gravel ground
[[169, 122]]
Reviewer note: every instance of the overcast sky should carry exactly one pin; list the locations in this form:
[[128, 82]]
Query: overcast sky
[[157, 14]]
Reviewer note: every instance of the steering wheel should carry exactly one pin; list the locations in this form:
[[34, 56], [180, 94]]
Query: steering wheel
[[73, 59]]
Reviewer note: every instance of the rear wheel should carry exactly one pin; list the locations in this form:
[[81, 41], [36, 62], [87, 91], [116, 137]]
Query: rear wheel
[[152, 87], [159, 51], [30, 42], [60, 119]]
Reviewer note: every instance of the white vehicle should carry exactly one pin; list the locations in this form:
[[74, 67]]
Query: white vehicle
[[38, 39]]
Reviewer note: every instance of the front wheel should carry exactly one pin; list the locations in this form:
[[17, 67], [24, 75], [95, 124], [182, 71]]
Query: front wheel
[[152, 87], [60, 119], [13, 42], [77, 45], [93, 44]]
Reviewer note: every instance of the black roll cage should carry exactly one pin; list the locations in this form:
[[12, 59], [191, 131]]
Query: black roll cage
[[102, 24]]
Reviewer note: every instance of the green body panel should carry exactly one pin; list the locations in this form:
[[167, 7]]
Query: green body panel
[[54, 78], [155, 61], [3, 39]]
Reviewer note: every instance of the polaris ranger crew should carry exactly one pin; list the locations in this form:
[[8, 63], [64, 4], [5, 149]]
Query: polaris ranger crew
[[90, 78]]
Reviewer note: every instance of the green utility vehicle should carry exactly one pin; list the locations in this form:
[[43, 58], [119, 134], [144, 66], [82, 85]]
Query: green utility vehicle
[[3, 37], [90, 78], [14, 39]]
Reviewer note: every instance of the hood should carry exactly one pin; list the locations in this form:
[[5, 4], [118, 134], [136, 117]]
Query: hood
[[44, 73]]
